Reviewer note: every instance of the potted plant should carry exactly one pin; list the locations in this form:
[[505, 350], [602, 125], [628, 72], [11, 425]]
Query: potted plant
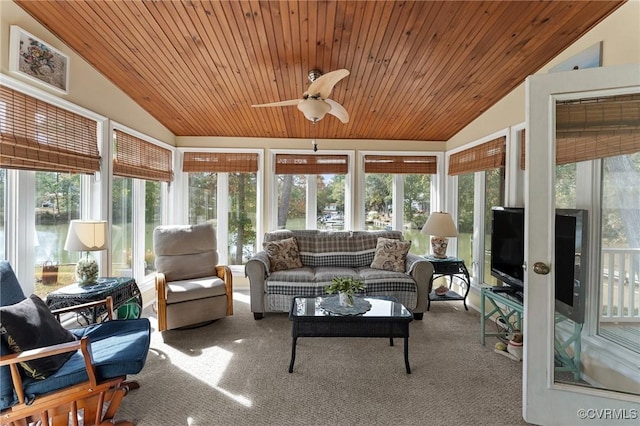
[[346, 288]]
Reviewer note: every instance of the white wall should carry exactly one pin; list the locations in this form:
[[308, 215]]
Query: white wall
[[87, 88], [620, 34]]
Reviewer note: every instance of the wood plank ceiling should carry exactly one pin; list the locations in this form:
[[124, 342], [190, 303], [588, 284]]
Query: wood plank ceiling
[[419, 70]]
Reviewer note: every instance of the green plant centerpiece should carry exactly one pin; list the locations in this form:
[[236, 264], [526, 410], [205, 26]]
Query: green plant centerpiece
[[346, 287]]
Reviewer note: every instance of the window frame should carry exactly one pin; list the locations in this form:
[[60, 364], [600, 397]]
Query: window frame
[[437, 190], [222, 193], [513, 192], [311, 199], [144, 281], [20, 186]]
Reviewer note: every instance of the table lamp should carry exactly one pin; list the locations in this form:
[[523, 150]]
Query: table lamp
[[86, 235], [440, 226]]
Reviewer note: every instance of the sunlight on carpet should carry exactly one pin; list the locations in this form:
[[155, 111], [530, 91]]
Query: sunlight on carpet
[[235, 371], [214, 369]]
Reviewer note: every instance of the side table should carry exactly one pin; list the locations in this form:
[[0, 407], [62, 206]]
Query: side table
[[123, 291], [451, 267]]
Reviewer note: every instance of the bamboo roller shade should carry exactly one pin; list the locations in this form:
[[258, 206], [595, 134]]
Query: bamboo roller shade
[[488, 155], [36, 135], [400, 164], [219, 162], [293, 164], [588, 129], [137, 158], [597, 128]]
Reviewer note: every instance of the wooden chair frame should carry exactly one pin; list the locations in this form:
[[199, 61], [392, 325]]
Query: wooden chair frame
[[223, 272], [89, 396]]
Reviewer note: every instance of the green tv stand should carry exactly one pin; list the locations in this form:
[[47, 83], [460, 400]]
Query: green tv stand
[[509, 311]]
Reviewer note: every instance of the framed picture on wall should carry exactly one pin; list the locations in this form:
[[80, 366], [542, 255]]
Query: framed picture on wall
[[34, 59]]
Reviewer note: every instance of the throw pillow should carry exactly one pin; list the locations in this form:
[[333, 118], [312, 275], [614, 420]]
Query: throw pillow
[[283, 254], [30, 324], [390, 254]]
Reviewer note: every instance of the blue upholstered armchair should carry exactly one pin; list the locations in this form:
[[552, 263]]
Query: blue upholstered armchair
[[48, 372]]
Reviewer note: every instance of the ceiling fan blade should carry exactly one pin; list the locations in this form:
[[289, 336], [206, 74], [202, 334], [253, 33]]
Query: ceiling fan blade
[[291, 102], [338, 111], [323, 85]]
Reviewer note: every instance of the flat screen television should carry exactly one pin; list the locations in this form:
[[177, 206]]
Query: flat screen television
[[507, 246], [570, 265]]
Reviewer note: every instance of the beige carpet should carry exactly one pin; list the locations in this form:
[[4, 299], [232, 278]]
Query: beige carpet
[[235, 372]]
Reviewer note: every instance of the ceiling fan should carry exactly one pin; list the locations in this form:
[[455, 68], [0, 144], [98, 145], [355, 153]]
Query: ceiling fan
[[315, 102]]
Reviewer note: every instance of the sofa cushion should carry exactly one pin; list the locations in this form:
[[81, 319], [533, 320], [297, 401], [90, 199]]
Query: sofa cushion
[[29, 324], [283, 254], [324, 274], [391, 254]]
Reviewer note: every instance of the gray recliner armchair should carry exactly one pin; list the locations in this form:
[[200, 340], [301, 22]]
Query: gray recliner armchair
[[192, 289]]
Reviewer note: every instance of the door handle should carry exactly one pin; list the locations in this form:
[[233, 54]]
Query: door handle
[[541, 268]]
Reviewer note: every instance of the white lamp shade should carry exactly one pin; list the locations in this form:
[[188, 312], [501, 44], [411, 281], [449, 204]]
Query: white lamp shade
[[314, 109], [440, 224], [86, 235]]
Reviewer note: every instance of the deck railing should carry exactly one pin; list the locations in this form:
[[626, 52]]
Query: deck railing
[[620, 297]]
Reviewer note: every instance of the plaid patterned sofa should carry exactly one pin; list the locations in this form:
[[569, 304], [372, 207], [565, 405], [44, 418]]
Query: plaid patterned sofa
[[326, 254]]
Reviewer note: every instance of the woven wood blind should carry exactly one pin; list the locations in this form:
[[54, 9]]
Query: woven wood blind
[[396, 164], [137, 158], [488, 155], [36, 135], [219, 162], [597, 128], [293, 164]]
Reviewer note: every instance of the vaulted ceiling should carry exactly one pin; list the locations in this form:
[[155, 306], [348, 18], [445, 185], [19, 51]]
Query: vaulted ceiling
[[418, 70]]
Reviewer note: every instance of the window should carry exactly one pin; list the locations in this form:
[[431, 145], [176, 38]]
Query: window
[[598, 158], [465, 203], [142, 171], [292, 201], [566, 186], [330, 201], [152, 218], [399, 183], [122, 227], [57, 202], [51, 151], [311, 191], [232, 177], [493, 196], [488, 160], [620, 246]]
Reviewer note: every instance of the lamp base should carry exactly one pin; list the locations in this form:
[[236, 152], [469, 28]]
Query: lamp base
[[439, 247], [87, 271]]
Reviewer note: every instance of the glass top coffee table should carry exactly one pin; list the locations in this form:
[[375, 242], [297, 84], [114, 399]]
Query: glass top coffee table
[[385, 318]]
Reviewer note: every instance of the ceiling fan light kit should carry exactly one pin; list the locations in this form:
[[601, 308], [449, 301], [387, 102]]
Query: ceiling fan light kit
[[314, 109], [315, 102]]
